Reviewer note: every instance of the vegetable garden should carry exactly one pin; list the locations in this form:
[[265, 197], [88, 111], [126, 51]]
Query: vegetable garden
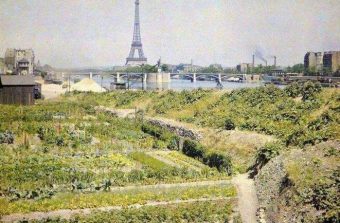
[[64, 155]]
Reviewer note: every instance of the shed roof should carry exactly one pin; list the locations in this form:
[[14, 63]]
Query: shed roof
[[15, 80], [23, 60]]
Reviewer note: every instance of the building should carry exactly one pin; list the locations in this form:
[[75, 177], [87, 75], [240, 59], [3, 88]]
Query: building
[[331, 61], [2, 66], [18, 61], [244, 67], [187, 68], [216, 66], [319, 62], [17, 89], [310, 61]]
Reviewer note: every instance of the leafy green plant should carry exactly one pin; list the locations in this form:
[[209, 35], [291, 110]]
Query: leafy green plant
[[6, 137], [309, 90], [229, 124], [293, 90], [264, 155]]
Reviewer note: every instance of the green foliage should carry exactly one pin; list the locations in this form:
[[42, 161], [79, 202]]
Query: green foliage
[[265, 154], [174, 101], [297, 68], [170, 140], [149, 161], [211, 69], [229, 124], [212, 211], [6, 137], [193, 149], [309, 90], [165, 68], [260, 69], [293, 90], [220, 161], [213, 159], [141, 69], [119, 198]]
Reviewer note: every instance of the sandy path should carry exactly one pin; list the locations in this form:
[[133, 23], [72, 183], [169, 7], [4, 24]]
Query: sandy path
[[50, 91], [247, 198], [67, 213]]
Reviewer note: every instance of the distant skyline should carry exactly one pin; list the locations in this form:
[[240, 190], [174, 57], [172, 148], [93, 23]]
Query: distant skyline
[[85, 33]]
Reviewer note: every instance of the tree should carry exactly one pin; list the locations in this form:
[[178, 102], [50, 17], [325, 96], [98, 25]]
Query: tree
[[165, 68], [142, 69], [310, 70], [326, 71], [298, 68], [211, 69]]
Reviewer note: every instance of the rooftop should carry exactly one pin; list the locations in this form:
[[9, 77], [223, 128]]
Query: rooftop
[[14, 80]]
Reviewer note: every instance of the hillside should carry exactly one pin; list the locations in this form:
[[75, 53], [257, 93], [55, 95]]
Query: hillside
[[67, 158], [302, 185]]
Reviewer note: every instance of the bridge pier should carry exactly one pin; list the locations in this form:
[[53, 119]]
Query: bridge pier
[[118, 77], [145, 76], [193, 77]]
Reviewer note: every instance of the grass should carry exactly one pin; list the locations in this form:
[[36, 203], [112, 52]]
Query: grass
[[212, 211], [265, 110], [149, 161], [103, 199]]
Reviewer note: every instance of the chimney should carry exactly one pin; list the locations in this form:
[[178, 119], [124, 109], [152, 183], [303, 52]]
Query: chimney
[[274, 61], [253, 60]]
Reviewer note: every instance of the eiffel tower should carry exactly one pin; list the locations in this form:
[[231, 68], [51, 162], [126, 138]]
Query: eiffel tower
[[136, 43]]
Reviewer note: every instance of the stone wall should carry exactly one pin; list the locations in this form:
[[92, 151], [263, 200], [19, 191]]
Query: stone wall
[[170, 125]]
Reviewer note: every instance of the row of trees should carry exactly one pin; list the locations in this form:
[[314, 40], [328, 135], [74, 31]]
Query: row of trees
[[260, 69], [145, 68]]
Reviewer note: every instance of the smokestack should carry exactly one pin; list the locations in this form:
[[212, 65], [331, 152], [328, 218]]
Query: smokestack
[[253, 60], [274, 61]]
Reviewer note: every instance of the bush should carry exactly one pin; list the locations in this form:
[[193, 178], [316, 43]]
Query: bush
[[264, 155], [6, 137], [220, 161], [229, 124], [309, 90], [174, 143], [213, 159], [293, 90], [193, 149]]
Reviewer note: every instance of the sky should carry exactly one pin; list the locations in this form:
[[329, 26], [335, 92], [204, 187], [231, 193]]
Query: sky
[[89, 33]]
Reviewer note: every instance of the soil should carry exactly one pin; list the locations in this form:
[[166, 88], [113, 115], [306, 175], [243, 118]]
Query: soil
[[247, 198]]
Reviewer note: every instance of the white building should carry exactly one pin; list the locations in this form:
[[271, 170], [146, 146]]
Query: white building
[[19, 61]]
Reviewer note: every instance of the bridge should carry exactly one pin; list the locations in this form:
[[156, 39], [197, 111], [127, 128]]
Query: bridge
[[124, 76]]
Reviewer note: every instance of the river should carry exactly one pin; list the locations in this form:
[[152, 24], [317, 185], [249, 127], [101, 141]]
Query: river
[[181, 84]]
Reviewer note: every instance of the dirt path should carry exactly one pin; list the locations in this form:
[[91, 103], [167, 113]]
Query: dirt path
[[247, 198], [67, 213], [175, 185]]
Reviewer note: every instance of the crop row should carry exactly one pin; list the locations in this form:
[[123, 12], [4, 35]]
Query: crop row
[[103, 199], [211, 211]]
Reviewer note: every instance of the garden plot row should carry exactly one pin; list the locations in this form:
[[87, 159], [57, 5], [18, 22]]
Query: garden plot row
[[178, 159], [118, 198]]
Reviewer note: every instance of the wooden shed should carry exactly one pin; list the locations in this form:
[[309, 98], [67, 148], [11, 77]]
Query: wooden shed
[[17, 89]]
